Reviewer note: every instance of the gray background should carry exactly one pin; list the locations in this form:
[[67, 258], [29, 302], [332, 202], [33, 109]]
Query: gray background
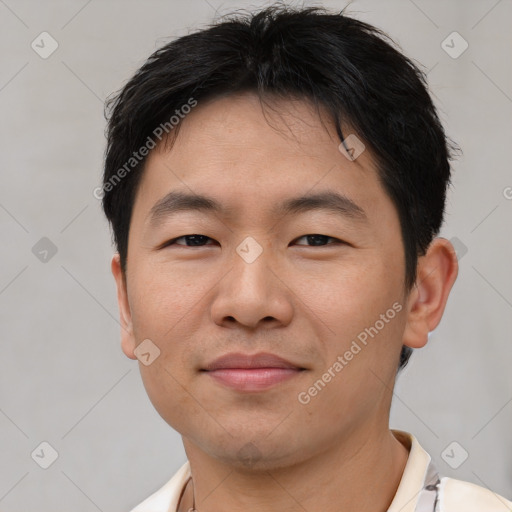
[[64, 379]]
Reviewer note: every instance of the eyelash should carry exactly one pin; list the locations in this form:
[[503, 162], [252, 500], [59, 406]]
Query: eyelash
[[173, 241]]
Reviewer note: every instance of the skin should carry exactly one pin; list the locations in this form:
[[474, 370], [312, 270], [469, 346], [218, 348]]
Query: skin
[[304, 302]]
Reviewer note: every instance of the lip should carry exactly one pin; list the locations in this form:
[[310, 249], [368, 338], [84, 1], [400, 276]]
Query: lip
[[256, 372], [238, 360]]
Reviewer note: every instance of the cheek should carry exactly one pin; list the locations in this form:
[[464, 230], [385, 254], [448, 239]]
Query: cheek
[[167, 391], [359, 305], [162, 298], [350, 295]]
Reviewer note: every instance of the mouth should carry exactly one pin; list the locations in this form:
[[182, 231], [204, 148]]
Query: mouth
[[251, 373]]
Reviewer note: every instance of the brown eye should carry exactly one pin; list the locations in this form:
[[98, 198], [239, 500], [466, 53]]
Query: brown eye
[[318, 240], [190, 240]]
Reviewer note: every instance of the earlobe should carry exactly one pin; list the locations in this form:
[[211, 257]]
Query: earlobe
[[127, 338], [436, 273]]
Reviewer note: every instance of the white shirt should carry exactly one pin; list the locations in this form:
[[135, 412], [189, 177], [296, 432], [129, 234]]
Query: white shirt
[[421, 488]]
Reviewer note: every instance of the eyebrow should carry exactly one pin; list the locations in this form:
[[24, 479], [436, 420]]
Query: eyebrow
[[334, 202]]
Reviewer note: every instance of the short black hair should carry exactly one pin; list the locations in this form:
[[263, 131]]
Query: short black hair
[[347, 66]]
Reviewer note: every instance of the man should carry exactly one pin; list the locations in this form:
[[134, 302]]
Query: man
[[275, 184]]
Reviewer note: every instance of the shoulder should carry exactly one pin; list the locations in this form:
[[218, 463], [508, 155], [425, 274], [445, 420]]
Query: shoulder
[[460, 496]]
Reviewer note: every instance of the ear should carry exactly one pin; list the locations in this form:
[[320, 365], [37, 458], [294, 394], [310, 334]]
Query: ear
[[436, 273], [127, 338]]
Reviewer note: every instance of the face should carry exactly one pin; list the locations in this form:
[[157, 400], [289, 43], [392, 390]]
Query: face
[[319, 283]]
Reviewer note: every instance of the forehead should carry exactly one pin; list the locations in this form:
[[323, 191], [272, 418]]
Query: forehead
[[250, 155], [266, 125]]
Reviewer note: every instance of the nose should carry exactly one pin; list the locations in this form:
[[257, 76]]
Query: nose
[[252, 294]]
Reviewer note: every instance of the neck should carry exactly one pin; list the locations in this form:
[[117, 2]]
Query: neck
[[361, 475]]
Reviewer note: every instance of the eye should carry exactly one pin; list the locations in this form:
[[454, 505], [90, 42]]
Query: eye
[[318, 240], [195, 240]]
